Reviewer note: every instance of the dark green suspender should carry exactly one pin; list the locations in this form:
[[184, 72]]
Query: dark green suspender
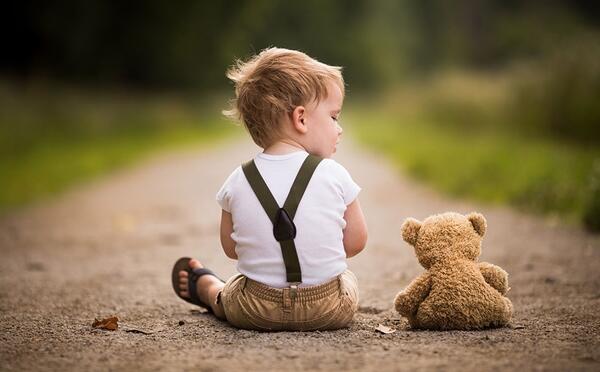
[[284, 229]]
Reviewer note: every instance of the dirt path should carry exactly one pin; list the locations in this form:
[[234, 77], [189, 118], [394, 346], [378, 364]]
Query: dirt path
[[107, 249]]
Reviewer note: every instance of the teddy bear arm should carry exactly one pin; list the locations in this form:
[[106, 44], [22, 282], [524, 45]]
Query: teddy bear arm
[[407, 302], [494, 276]]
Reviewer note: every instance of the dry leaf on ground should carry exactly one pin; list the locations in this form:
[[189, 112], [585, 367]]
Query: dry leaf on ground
[[108, 323], [385, 330]]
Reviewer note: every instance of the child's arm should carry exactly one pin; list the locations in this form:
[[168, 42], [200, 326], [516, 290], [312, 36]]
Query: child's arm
[[355, 233], [226, 230]]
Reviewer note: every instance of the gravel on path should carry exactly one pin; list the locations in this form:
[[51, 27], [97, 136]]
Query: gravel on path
[[106, 248]]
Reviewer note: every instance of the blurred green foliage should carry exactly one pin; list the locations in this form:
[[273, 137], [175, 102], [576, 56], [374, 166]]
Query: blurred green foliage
[[52, 136], [189, 44], [560, 95], [591, 215], [519, 123], [457, 132]]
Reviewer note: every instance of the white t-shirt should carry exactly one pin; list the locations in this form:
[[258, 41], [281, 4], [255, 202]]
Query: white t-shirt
[[319, 219]]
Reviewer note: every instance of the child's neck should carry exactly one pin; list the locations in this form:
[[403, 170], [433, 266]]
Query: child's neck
[[283, 147]]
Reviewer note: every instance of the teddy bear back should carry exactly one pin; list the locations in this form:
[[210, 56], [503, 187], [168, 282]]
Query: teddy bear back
[[460, 298]]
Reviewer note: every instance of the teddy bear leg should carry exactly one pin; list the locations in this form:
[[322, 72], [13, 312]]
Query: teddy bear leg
[[425, 318], [413, 322], [508, 309], [503, 314], [403, 304]]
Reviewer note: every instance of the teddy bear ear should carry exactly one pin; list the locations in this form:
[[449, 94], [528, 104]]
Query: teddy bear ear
[[478, 222], [410, 230]]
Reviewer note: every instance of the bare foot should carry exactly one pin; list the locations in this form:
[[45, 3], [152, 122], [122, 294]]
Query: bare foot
[[207, 287]]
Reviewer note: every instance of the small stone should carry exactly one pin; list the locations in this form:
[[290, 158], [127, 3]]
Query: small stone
[[181, 322]]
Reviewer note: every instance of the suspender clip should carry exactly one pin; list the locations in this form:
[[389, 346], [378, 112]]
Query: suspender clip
[[293, 290], [284, 228]]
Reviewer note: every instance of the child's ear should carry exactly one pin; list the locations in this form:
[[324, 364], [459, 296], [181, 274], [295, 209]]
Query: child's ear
[[298, 116], [478, 222], [410, 230]]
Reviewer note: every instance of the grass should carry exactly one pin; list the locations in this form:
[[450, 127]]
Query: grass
[[457, 132], [52, 140], [458, 141]]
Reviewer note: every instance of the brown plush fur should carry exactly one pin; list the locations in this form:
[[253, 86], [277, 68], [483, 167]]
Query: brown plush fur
[[455, 292]]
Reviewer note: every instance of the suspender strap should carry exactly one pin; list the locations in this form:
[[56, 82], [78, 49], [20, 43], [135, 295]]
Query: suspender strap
[[261, 190], [284, 229], [300, 183], [293, 272]]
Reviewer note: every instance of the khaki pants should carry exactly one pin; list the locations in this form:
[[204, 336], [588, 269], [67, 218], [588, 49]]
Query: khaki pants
[[249, 304]]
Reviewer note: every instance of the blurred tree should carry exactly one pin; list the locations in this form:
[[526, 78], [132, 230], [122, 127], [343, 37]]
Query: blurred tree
[[189, 44]]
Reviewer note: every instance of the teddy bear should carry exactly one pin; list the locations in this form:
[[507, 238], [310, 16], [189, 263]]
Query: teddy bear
[[456, 291]]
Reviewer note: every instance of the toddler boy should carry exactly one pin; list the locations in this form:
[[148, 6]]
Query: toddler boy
[[290, 216]]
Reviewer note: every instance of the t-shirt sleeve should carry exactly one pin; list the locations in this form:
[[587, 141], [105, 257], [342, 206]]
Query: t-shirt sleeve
[[224, 194], [349, 188]]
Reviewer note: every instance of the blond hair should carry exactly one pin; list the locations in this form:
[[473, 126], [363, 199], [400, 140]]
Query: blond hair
[[272, 84]]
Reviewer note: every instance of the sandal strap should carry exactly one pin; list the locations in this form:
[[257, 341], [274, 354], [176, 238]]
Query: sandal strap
[[201, 271], [193, 277]]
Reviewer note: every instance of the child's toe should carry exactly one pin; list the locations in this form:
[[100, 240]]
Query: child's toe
[[194, 263], [183, 274]]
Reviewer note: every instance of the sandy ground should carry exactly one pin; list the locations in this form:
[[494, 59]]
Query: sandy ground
[[107, 249]]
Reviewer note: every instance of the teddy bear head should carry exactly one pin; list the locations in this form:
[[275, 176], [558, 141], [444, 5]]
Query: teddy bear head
[[445, 237]]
